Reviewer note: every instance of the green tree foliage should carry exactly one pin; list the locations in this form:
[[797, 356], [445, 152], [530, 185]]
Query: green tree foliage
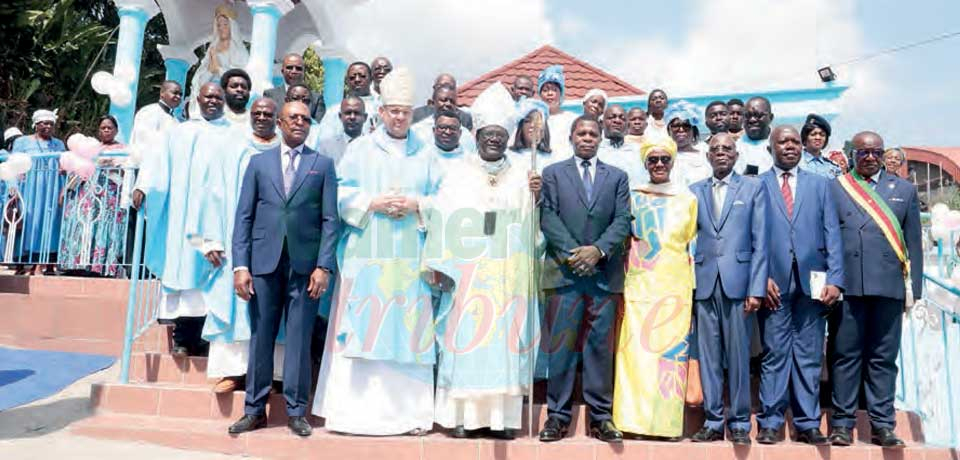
[[52, 47], [314, 70]]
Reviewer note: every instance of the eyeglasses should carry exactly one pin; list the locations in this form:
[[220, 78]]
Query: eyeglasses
[[863, 153], [298, 118], [665, 160], [294, 67]]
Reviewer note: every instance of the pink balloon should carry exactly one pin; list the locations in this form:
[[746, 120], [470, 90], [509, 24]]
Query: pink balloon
[[74, 141], [68, 161], [85, 168], [88, 151]]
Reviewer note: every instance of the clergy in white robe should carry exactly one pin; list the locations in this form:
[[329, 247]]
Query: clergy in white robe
[[445, 141], [352, 115], [236, 85], [227, 325], [376, 376], [480, 252], [754, 156], [172, 196]]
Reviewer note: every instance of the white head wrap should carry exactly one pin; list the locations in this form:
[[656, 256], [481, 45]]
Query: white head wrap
[[596, 92], [11, 132], [44, 115], [397, 88], [494, 106]]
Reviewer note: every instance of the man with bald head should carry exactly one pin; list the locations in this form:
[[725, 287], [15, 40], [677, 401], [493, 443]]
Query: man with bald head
[[754, 156], [615, 151], [284, 251], [522, 86], [293, 69], [883, 260], [731, 270], [380, 67], [444, 97], [171, 194], [793, 319], [227, 325]]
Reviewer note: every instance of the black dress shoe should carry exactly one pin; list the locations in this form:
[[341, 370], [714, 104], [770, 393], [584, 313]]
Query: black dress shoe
[[179, 351], [740, 437], [248, 423], [505, 434], [840, 436], [767, 436], [812, 436], [606, 431], [885, 437], [553, 430], [299, 426], [707, 435]]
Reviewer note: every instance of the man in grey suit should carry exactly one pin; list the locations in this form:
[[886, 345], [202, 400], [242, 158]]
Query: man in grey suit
[[585, 219], [865, 331], [293, 69], [731, 271]]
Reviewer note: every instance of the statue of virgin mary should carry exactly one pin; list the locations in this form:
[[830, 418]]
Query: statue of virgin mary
[[225, 51]]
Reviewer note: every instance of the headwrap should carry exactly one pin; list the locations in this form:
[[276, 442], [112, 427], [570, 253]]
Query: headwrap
[[44, 115], [494, 107], [526, 105], [10, 133], [658, 143], [397, 88], [684, 111], [552, 74], [596, 92], [814, 121]]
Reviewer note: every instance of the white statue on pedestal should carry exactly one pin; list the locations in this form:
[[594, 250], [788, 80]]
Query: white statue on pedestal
[[225, 51]]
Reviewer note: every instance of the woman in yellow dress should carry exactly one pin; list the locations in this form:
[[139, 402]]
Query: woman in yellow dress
[[651, 361]]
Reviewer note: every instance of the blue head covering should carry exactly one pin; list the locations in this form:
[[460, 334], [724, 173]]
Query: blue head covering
[[526, 105], [683, 110], [552, 74]]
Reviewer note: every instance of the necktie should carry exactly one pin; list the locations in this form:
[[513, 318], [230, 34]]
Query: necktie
[[787, 194], [587, 179], [873, 183], [717, 199], [290, 172]]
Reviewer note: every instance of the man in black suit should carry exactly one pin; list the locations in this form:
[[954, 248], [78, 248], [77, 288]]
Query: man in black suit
[[284, 250], [585, 219], [293, 69], [865, 331]]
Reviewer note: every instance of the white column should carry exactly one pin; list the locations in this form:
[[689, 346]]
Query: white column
[[263, 41], [134, 15]]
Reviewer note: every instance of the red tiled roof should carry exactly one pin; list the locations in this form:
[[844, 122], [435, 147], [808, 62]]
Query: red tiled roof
[[580, 76], [948, 157]]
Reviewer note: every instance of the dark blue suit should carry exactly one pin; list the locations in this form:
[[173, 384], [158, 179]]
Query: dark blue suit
[[731, 264], [865, 332], [282, 239], [582, 309], [792, 335]]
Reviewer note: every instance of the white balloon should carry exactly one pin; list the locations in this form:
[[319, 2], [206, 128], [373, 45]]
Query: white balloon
[[19, 163], [125, 73], [101, 82], [120, 94]]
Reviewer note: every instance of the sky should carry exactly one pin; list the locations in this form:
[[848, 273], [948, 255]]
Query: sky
[[695, 47]]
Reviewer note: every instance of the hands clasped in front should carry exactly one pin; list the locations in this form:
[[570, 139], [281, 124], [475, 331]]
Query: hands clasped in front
[[583, 260], [394, 206]]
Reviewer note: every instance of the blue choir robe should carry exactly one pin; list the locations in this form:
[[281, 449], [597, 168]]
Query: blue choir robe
[[444, 160], [488, 312], [174, 193], [386, 308], [40, 192], [228, 318]]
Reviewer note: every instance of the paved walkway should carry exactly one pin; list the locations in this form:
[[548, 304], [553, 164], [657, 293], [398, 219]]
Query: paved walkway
[[40, 431]]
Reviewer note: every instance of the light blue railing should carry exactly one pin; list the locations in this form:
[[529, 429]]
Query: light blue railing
[[929, 358], [143, 301]]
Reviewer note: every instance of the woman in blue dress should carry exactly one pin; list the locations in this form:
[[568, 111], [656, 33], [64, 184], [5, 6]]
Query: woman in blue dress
[[40, 190]]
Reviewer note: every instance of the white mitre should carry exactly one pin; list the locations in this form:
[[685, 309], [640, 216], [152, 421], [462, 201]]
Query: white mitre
[[397, 88], [494, 106]]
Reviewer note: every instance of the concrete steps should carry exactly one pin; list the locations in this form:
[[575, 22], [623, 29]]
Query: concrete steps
[[276, 442]]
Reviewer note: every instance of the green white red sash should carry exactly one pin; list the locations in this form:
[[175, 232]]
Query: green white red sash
[[868, 199]]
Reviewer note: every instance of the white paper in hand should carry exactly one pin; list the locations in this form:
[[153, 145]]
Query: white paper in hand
[[817, 282]]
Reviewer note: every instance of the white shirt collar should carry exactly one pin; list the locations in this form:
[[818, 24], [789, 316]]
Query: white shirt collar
[[593, 162], [724, 181], [285, 149], [876, 177], [792, 171]]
